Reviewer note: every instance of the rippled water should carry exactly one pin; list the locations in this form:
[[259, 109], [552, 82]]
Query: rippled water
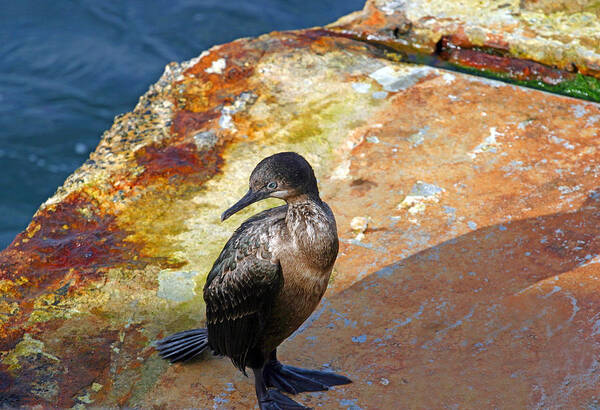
[[68, 67]]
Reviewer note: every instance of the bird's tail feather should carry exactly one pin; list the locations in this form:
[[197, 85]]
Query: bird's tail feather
[[182, 346]]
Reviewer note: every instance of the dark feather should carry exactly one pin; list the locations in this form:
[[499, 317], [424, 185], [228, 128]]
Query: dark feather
[[183, 345], [241, 287]]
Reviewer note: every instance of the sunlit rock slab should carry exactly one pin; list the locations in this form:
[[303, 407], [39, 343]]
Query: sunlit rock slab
[[475, 281], [467, 211]]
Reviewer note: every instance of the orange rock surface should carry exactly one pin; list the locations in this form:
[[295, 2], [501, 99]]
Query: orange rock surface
[[468, 212]]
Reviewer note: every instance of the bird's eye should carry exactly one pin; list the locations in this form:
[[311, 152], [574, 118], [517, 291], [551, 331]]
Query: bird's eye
[[272, 185]]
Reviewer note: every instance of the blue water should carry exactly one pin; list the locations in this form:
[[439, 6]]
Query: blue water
[[68, 67]]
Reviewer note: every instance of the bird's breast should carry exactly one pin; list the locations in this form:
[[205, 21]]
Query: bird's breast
[[306, 253], [303, 288]]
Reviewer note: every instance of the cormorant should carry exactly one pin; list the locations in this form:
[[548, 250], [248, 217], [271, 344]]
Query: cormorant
[[266, 282]]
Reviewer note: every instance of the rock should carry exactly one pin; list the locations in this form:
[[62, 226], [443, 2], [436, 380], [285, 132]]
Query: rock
[[566, 6], [552, 45], [420, 194], [359, 224], [487, 296]]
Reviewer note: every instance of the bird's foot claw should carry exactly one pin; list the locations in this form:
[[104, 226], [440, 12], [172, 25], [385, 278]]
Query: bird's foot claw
[[274, 400], [296, 380]]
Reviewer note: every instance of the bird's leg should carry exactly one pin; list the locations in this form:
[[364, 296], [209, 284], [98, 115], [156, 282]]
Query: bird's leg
[[271, 399], [296, 380]]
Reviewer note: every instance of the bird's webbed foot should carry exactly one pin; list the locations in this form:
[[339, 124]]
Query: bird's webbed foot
[[271, 399], [296, 380], [274, 400]]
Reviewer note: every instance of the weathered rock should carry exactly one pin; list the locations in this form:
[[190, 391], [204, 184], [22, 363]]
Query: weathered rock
[[469, 274], [536, 43], [567, 6]]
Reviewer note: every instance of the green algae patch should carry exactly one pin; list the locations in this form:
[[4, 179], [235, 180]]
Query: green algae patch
[[582, 86], [579, 86]]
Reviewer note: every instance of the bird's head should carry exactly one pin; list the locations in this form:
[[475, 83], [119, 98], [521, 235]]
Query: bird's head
[[285, 175]]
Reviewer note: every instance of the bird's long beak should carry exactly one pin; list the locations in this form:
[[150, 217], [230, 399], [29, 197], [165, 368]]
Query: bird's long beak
[[250, 198]]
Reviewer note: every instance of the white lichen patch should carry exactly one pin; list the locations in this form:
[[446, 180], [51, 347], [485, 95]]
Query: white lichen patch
[[420, 195], [419, 137], [579, 110], [362, 88], [390, 7], [240, 104], [379, 95], [205, 140], [523, 124], [448, 78], [217, 66], [489, 144], [359, 225], [394, 79], [226, 122], [342, 171], [561, 141], [178, 286], [565, 190]]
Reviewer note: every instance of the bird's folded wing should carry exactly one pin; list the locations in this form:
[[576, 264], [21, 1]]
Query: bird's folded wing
[[239, 293]]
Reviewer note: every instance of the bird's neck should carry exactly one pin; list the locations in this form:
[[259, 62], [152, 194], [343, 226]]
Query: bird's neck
[[304, 200], [308, 217], [304, 210]]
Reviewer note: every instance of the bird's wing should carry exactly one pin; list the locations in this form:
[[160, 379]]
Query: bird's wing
[[241, 286]]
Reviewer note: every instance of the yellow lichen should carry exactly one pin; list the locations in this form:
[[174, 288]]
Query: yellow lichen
[[193, 97], [7, 309], [47, 307], [9, 288], [32, 229], [26, 347]]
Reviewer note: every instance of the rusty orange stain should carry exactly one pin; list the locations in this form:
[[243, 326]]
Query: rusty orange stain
[[185, 122], [453, 50], [181, 161], [52, 256]]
